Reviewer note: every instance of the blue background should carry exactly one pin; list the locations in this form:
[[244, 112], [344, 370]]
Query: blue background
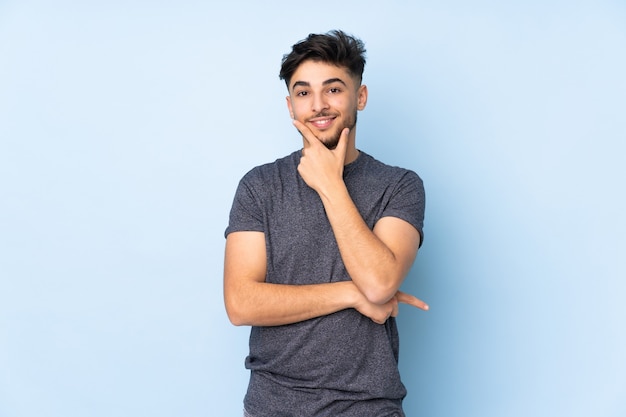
[[125, 127]]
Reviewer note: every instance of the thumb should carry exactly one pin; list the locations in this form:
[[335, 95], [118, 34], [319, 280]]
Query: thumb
[[342, 145]]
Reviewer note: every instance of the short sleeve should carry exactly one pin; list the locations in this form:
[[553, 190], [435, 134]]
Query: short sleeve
[[408, 202], [246, 213]]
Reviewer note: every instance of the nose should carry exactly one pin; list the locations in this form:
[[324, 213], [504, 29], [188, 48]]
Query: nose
[[319, 103]]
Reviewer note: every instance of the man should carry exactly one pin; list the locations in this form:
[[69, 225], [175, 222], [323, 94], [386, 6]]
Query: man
[[317, 246]]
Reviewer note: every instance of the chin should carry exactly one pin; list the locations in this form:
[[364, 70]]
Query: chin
[[331, 143], [330, 139]]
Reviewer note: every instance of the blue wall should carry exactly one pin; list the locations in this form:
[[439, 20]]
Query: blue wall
[[125, 127]]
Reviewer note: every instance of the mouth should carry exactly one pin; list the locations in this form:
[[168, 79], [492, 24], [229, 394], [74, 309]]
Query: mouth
[[322, 123]]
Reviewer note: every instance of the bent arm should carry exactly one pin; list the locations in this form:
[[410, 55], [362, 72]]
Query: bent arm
[[378, 260], [249, 300]]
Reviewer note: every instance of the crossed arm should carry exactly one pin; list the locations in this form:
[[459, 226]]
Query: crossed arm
[[376, 260], [251, 301]]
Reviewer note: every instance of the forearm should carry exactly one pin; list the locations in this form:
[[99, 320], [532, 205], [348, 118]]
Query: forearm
[[370, 263], [377, 260], [263, 304]]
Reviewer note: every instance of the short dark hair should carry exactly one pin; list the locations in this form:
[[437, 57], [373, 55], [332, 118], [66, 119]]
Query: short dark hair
[[334, 47]]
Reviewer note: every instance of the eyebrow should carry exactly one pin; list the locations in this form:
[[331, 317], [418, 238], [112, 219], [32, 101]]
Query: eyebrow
[[307, 84]]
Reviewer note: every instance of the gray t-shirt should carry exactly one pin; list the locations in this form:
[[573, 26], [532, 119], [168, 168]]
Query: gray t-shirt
[[342, 364]]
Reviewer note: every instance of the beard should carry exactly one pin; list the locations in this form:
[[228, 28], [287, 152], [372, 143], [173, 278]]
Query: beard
[[332, 140]]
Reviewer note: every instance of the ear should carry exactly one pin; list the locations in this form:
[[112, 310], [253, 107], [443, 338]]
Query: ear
[[288, 98], [361, 97]]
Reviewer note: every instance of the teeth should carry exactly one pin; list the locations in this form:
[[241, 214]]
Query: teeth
[[322, 122]]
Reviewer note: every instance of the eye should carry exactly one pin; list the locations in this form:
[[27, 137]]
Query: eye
[[334, 90], [301, 93]]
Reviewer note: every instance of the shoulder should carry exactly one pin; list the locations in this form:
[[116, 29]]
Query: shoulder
[[272, 171], [389, 174]]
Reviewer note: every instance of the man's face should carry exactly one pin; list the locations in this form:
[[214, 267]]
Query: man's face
[[326, 99]]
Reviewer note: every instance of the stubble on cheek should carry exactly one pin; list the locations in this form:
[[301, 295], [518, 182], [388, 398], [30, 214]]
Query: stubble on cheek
[[332, 142]]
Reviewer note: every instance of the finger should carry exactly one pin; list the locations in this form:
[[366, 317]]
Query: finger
[[307, 134], [342, 145], [409, 299]]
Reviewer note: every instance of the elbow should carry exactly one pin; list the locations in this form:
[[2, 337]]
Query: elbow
[[380, 294], [235, 314], [380, 288], [236, 319]]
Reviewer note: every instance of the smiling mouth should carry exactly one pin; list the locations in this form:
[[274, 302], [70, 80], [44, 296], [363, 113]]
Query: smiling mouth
[[322, 123]]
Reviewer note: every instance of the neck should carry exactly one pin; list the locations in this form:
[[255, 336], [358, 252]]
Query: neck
[[351, 155]]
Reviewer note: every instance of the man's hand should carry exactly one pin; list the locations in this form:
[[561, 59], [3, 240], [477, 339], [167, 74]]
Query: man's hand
[[411, 300], [321, 167], [379, 313]]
